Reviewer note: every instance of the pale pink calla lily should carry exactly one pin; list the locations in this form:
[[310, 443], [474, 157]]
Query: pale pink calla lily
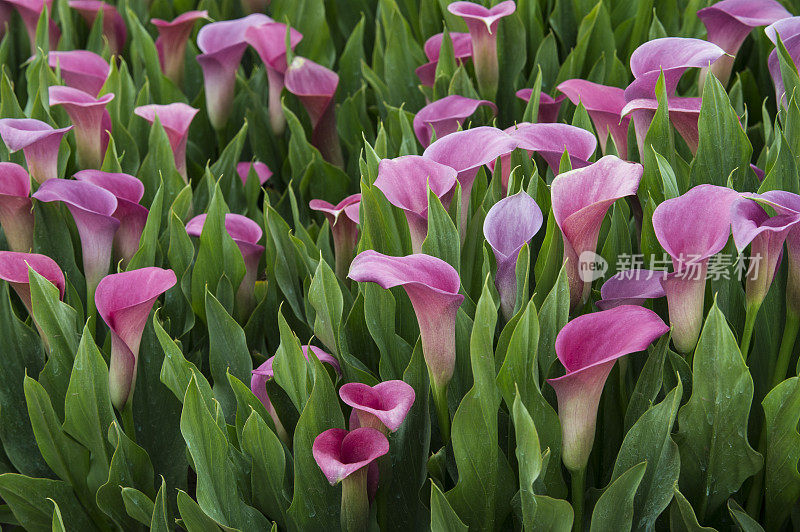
[[315, 87], [580, 201], [631, 287], [344, 229], [509, 224], [788, 204], [383, 407], [604, 105], [91, 120], [171, 42], [132, 217], [38, 141], [124, 301], [223, 44], [729, 22], [482, 24], [114, 29], [262, 171], [246, 234], [444, 116], [14, 270], [792, 45], [269, 41], [684, 114], [673, 56], [588, 346], [691, 228], [92, 208], [30, 11], [80, 69], [405, 181], [548, 106], [176, 119], [15, 207], [462, 49]]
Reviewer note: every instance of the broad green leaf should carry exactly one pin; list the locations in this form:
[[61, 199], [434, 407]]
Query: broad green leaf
[[271, 487], [529, 458], [443, 517], [292, 371], [782, 479], [682, 517], [325, 296], [30, 500], [162, 511], [614, 509], [443, 240], [138, 505]]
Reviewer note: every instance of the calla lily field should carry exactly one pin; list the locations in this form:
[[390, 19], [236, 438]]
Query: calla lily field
[[400, 265]]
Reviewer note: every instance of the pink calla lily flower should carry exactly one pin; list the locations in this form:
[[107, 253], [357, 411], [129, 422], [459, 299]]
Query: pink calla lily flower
[[176, 119], [344, 228], [548, 106], [124, 301], [788, 204], [38, 141], [171, 42], [631, 287], [462, 49], [14, 270], [444, 116], [684, 114], [262, 171], [604, 105], [16, 217], [30, 11], [91, 120], [114, 29], [383, 407], [80, 69]]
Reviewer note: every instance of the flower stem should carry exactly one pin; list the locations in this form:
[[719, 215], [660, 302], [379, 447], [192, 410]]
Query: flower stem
[[749, 323], [443, 413], [578, 487], [355, 503], [790, 330]]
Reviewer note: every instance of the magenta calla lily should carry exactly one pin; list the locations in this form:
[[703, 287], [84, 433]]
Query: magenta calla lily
[[223, 44], [792, 45], [691, 228], [509, 224], [80, 69], [132, 217], [588, 346], [344, 229], [482, 24], [548, 106], [729, 22], [14, 270], [269, 41], [788, 204], [383, 407], [30, 11], [684, 114], [444, 116], [262, 171], [551, 141], [38, 141], [673, 56], [91, 120], [176, 119], [631, 287], [315, 87], [467, 151], [580, 200], [124, 301], [92, 208], [114, 29], [604, 105], [246, 234], [16, 217], [171, 42], [405, 181], [462, 49]]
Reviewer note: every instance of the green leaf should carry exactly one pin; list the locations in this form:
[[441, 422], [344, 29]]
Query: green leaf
[[176, 371], [29, 499], [715, 455], [649, 382], [148, 243], [518, 376], [745, 522], [290, 366], [529, 458], [325, 296], [58, 520], [782, 479], [271, 487], [194, 518], [162, 511], [682, 517], [308, 17], [614, 509], [443, 517], [443, 240], [138, 505], [553, 316]]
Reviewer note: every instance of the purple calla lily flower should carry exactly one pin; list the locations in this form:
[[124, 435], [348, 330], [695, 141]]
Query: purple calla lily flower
[[124, 301], [684, 114], [344, 229], [444, 116], [262, 171], [30, 11], [132, 217], [548, 106], [315, 86], [482, 24], [171, 42], [92, 208], [691, 228], [432, 285], [588, 346], [38, 141], [466, 151], [80, 69], [176, 119], [462, 49], [383, 407], [788, 204], [729, 22], [16, 217], [760, 175], [509, 224], [345, 457], [604, 105], [114, 29], [264, 372], [269, 41], [631, 287], [14, 270], [405, 181], [246, 233], [673, 56], [91, 120], [223, 44], [581, 199], [792, 44]]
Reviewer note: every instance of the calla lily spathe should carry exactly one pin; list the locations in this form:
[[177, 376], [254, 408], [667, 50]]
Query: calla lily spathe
[[444, 116], [80, 69], [91, 121], [16, 217], [171, 42], [176, 119], [383, 407], [343, 220], [604, 105], [38, 141]]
